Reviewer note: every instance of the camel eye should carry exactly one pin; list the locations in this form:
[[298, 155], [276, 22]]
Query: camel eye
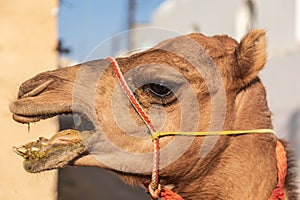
[[159, 89]]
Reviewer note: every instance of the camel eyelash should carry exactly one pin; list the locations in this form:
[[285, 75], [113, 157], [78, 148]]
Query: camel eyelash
[[158, 89]]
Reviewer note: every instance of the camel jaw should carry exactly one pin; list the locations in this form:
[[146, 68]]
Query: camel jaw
[[58, 151]]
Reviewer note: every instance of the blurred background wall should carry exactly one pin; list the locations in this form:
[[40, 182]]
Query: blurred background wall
[[28, 39]]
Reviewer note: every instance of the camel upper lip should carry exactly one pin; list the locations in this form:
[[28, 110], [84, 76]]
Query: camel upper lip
[[26, 110], [30, 106]]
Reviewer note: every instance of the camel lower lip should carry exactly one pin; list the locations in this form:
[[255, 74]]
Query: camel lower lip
[[25, 119], [45, 154]]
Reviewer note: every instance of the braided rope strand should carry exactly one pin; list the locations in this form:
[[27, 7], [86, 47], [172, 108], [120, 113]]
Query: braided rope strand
[[130, 95], [155, 173]]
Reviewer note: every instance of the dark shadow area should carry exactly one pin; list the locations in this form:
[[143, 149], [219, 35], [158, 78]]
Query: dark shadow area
[[94, 184]]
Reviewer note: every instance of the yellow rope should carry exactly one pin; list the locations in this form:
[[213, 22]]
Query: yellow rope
[[157, 135]]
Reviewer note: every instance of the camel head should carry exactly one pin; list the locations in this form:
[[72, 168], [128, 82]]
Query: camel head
[[188, 83]]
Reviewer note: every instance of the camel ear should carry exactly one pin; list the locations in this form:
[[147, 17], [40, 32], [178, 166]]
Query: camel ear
[[251, 55]]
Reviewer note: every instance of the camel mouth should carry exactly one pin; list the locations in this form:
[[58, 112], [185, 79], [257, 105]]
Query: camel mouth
[[62, 149]]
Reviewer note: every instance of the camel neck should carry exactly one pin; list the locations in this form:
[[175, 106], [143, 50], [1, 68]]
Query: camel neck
[[251, 110]]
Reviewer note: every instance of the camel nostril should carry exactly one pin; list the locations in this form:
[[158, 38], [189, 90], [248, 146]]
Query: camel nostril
[[37, 90]]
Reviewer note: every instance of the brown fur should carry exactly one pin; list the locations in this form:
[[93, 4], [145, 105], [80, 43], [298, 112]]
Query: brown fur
[[226, 167]]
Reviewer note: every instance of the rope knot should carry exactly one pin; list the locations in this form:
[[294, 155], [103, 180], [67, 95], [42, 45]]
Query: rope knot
[[163, 193], [155, 194], [155, 135], [277, 193]]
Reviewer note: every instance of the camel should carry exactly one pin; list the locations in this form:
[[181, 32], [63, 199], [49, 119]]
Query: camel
[[189, 83]]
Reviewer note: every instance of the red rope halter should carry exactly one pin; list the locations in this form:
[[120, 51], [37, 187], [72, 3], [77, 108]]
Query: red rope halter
[[154, 188]]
